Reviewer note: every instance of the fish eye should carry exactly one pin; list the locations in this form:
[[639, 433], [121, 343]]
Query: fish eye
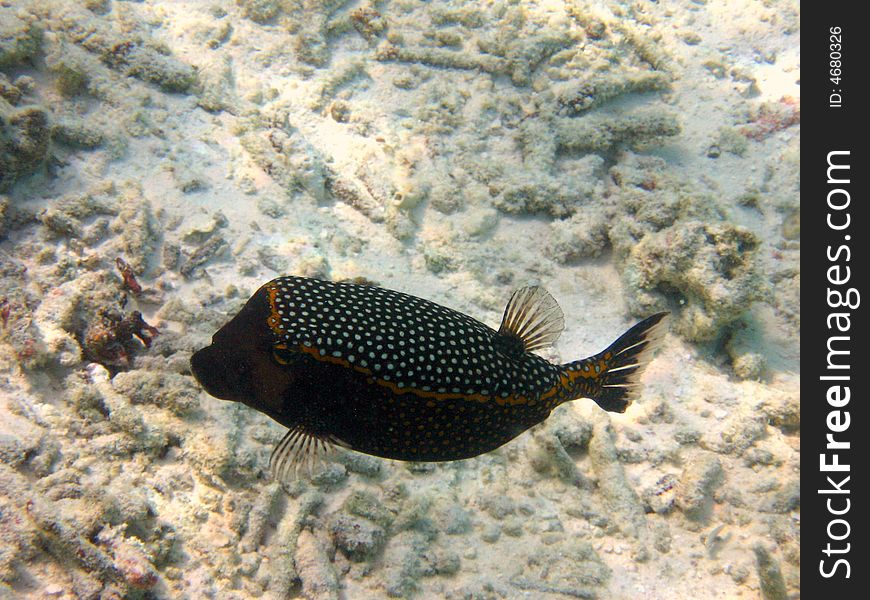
[[281, 354]]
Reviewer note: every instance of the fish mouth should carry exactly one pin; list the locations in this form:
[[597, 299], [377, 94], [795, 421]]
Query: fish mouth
[[222, 374]]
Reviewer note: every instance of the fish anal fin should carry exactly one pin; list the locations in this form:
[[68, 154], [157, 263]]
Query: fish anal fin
[[533, 317]]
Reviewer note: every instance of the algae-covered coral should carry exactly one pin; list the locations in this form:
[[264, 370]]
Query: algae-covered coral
[[629, 157]]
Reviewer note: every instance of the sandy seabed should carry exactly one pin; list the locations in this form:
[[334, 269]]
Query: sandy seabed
[[628, 156]]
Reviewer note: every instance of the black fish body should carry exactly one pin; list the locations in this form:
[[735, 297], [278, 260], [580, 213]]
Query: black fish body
[[396, 376]]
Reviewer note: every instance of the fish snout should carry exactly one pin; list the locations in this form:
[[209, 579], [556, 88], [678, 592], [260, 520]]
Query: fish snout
[[222, 373]]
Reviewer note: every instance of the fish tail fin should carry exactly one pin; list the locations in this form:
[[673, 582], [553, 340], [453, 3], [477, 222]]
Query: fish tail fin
[[612, 377]]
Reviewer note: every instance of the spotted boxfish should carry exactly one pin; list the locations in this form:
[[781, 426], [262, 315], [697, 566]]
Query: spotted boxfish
[[396, 376]]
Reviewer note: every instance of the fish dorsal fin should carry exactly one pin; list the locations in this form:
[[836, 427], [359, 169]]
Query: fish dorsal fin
[[299, 449], [533, 316]]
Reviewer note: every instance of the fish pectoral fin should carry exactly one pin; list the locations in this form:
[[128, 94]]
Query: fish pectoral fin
[[300, 450], [533, 316]]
